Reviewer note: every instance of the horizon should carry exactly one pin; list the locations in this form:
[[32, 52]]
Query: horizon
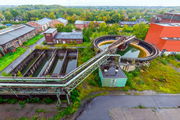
[[152, 3]]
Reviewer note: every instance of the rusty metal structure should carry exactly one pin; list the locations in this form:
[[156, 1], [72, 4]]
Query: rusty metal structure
[[61, 85]]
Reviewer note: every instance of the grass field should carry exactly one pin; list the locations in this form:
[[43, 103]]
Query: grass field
[[10, 57], [32, 40]]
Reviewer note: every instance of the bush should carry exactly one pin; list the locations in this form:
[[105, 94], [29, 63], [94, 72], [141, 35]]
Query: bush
[[75, 95], [12, 101], [177, 56], [163, 61], [22, 104], [33, 100], [48, 100]]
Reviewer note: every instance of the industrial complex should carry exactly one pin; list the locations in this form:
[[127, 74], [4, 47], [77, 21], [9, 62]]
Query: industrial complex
[[55, 70]]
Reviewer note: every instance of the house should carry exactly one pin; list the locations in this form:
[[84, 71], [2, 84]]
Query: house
[[54, 37], [112, 76], [41, 25], [13, 37], [131, 23], [165, 36], [54, 22], [84, 24], [166, 18]]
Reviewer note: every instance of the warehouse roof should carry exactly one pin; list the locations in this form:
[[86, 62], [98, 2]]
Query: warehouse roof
[[43, 21], [14, 32], [133, 22], [63, 20], [69, 35], [50, 30], [87, 22]]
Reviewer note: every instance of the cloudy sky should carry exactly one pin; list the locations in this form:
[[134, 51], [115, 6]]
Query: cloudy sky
[[95, 2]]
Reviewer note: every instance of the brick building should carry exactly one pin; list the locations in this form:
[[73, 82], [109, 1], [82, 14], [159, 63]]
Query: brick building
[[54, 37], [165, 36], [41, 25], [45, 23], [166, 18], [14, 36], [84, 24], [54, 22]]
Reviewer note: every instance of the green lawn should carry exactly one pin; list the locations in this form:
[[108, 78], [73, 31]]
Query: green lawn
[[10, 57], [32, 40]]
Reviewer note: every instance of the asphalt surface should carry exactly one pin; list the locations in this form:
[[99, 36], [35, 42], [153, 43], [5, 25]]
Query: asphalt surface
[[98, 108], [22, 57]]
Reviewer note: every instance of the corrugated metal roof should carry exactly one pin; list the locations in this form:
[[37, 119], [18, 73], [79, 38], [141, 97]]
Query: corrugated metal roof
[[133, 22], [69, 35], [50, 30], [79, 22], [43, 21], [63, 20], [13, 33], [87, 22]]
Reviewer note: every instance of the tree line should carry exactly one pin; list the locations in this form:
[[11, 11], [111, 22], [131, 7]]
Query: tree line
[[35, 12]]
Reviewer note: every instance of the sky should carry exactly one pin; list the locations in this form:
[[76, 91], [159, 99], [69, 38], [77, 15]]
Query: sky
[[94, 2]]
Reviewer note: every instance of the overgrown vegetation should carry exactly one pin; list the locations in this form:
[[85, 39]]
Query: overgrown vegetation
[[10, 57], [33, 40], [45, 100], [160, 76]]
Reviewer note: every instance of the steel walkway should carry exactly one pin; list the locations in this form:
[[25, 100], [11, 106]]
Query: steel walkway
[[71, 80]]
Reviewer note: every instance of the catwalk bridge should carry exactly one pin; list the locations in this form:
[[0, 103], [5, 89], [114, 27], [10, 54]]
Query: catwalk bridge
[[59, 85]]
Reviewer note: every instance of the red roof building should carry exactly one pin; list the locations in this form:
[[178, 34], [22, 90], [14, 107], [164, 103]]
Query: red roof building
[[164, 36], [166, 18]]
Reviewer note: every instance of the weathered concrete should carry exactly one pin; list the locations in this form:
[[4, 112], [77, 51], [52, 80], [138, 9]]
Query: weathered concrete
[[144, 114], [99, 108]]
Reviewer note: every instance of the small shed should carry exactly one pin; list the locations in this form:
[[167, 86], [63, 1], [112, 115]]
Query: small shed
[[112, 76]]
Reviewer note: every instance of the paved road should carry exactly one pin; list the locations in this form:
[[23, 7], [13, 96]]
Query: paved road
[[22, 57], [99, 108]]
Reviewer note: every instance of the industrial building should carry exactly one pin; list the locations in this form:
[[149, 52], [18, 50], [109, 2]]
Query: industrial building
[[14, 36], [40, 25], [166, 18], [45, 23], [131, 23], [79, 24], [58, 21], [165, 36], [54, 37], [111, 75]]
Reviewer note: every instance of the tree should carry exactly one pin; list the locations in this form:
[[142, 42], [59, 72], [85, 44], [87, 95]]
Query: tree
[[140, 30], [8, 15], [87, 32], [52, 15], [60, 27]]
